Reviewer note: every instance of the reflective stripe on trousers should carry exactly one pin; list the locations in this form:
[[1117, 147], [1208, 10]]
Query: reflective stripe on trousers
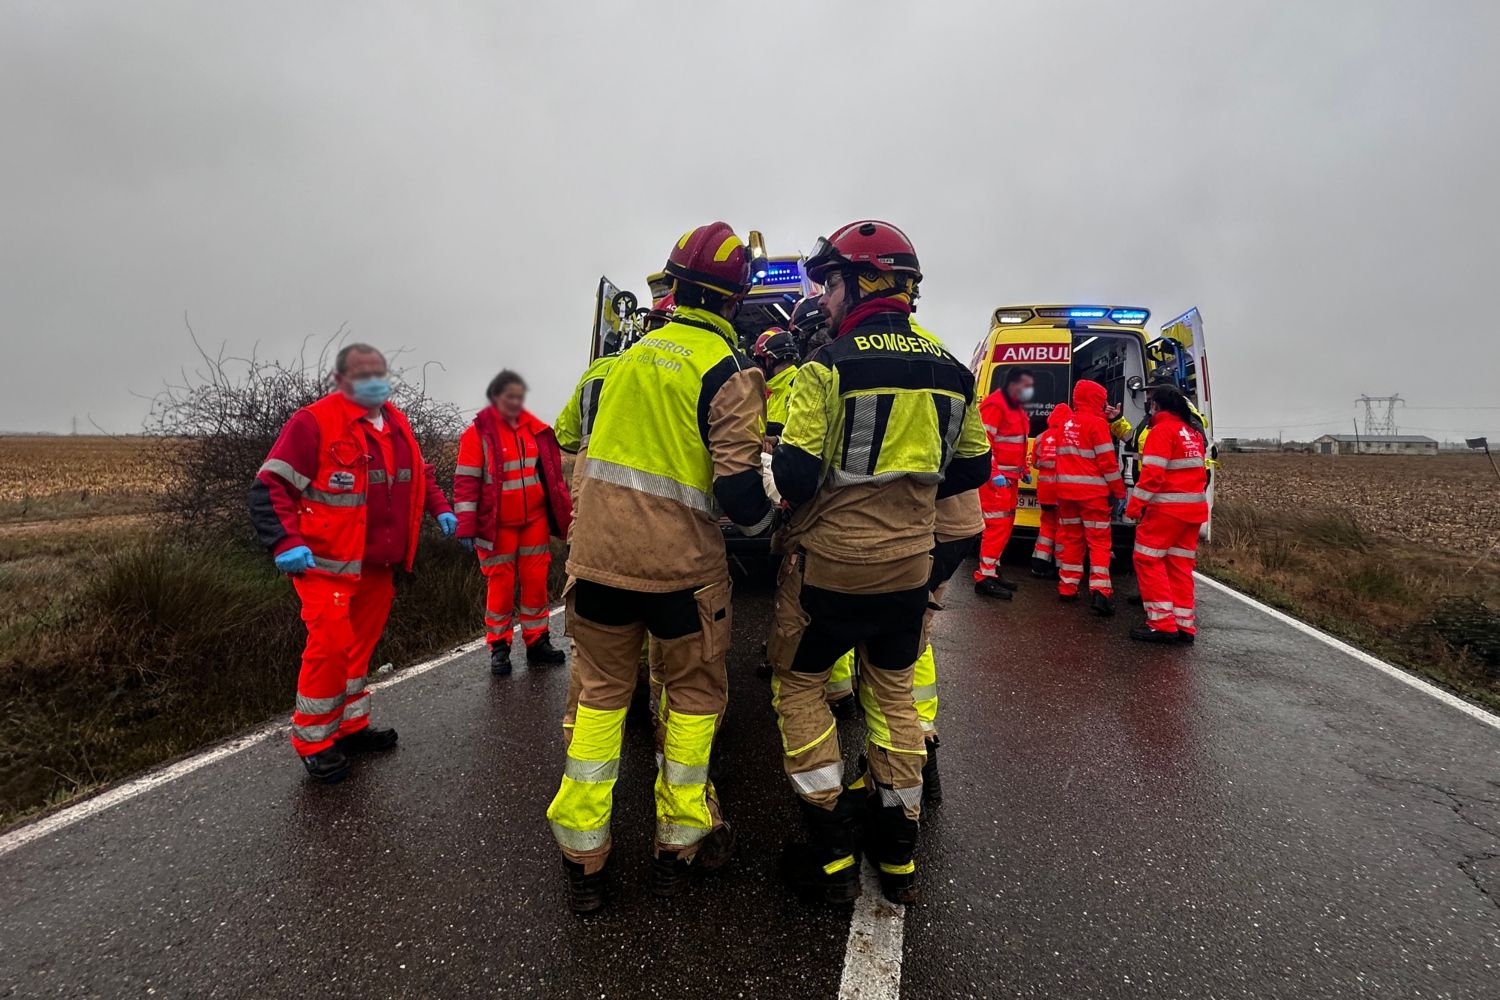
[[682, 816], [580, 812]]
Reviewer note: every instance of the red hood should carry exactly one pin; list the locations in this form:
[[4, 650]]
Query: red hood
[[1089, 398], [1059, 415]]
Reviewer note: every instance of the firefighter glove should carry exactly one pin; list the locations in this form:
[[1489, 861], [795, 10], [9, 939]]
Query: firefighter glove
[[295, 560]]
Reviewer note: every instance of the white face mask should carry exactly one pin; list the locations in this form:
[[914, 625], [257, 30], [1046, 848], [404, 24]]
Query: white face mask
[[1027, 393]]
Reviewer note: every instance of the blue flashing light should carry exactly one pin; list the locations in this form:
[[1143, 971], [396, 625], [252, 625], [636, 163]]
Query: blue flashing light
[[1086, 314], [780, 273], [1129, 317]]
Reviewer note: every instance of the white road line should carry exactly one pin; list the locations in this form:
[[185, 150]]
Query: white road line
[[872, 956], [112, 797], [1411, 680]]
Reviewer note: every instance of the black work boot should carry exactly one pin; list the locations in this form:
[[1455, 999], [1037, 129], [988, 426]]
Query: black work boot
[[1007, 584], [932, 782], [992, 587], [845, 709], [500, 659], [824, 869], [327, 766], [1043, 569], [585, 892], [1102, 604], [1068, 598], [670, 872], [366, 740], [891, 846], [543, 654], [1145, 633], [1185, 637]]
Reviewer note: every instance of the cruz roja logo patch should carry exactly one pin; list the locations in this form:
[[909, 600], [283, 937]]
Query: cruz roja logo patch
[[341, 481]]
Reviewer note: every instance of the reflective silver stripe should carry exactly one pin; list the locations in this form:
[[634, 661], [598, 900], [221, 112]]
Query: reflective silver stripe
[[465, 507], [1142, 495], [1187, 463], [1181, 498], [1071, 567], [351, 568], [531, 612], [759, 526], [907, 798], [515, 484], [377, 476], [497, 560], [1010, 470], [353, 686], [924, 692], [988, 560], [319, 706], [333, 499], [1046, 465], [991, 430], [1096, 525], [838, 686], [480, 543], [403, 475], [1112, 477], [314, 734], [533, 550], [1067, 449], [1009, 439], [1182, 553], [649, 483], [1157, 605], [999, 515], [358, 708], [857, 459], [843, 477], [277, 467], [1104, 449], [472, 471], [1083, 480], [581, 841], [496, 616], [1146, 550], [679, 834], [1154, 460], [678, 773], [823, 779], [928, 727], [1070, 520], [519, 464], [591, 770], [484, 443]]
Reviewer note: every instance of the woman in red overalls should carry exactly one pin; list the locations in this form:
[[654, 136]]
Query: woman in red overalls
[[510, 498], [1171, 503]]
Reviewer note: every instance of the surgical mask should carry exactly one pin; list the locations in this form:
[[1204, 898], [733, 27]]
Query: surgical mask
[[372, 392], [1027, 393]]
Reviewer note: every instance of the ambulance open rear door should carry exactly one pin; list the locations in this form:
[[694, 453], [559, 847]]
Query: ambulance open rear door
[[1182, 352]]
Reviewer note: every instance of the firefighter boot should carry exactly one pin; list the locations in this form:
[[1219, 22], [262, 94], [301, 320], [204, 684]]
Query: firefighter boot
[[543, 654], [846, 708], [991, 586], [366, 740], [500, 659], [670, 873], [1102, 604], [585, 891], [824, 869], [932, 782], [327, 767], [892, 844]]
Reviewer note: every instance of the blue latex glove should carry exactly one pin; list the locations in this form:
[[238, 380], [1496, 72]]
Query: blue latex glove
[[1119, 508], [467, 543], [448, 522], [295, 560], [999, 482]]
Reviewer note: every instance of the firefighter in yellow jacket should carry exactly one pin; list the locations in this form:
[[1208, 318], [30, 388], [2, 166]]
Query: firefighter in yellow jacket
[[882, 423], [677, 438]]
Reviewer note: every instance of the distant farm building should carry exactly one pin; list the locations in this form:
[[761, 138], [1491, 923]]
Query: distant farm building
[[1389, 444]]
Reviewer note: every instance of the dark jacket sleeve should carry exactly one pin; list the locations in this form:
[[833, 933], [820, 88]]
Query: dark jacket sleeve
[[277, 490], [964, 474]]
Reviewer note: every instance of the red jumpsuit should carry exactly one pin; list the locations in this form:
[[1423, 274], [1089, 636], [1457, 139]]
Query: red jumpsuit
[[503, 503], [1170, 501], [1088, 480], [1007, 427], [354, 494], [1044, 468]]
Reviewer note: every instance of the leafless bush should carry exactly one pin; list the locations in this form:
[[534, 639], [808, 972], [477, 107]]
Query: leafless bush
[[219, 420]]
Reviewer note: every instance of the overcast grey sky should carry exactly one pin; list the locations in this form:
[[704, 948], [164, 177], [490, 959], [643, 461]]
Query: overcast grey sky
[[1319, 178]]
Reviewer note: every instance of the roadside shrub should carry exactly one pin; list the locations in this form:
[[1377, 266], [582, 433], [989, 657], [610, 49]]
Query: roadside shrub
[[1376, 580], [1334, 528], [1470, 627]]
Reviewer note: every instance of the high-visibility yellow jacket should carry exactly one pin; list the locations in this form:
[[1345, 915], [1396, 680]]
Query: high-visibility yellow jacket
[[778, 394], [576, 421], [675, 441], [881, 423]]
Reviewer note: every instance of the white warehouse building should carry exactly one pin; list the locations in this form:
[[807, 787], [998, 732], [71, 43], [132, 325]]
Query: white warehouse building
[[1387, 444]]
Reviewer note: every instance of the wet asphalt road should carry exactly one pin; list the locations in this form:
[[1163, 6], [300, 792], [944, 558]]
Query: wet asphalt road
[[1255, 816]]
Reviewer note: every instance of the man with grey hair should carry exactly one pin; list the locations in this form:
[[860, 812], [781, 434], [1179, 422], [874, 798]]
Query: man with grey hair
[[339, 501]]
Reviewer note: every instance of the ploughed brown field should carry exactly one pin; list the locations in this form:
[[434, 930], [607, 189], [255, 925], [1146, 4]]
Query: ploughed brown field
[[51, 478]]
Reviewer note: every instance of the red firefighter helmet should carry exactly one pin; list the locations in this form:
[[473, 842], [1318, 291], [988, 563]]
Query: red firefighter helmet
[[879, 246], [713, 257], [775, 345]]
